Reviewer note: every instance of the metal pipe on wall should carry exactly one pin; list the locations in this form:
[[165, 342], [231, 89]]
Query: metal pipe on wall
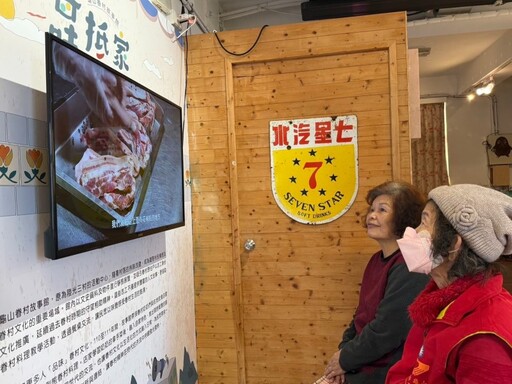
[[494, 112], [190, 9]]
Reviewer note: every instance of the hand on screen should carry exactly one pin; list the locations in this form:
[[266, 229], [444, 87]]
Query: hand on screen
[[104, 92], [104, 95]]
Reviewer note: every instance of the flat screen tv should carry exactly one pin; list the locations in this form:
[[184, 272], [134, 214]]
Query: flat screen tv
[[116, 156]]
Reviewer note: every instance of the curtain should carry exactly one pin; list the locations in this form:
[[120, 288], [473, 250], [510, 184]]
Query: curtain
[[428, 152]]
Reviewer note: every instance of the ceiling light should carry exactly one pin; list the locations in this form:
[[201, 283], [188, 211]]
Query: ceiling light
[[486, 88]]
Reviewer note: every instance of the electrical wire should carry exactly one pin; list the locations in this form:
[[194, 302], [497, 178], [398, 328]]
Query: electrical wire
[[243, 53], [191, 24]]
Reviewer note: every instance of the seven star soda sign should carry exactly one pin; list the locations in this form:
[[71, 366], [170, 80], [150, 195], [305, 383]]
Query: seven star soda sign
[[314, 167]]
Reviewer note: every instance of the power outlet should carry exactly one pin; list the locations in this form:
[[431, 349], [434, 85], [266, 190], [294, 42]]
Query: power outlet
[[185, 17]]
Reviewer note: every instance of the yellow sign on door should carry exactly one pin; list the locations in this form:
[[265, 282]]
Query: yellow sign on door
[[314, 167]]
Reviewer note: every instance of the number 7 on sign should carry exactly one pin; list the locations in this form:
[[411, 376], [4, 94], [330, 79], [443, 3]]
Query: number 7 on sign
[[316, 165]]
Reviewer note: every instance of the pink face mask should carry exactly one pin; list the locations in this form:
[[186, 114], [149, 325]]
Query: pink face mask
[[417, 251]]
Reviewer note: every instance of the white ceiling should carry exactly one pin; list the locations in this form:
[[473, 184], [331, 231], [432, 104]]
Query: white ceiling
[[456, 36]]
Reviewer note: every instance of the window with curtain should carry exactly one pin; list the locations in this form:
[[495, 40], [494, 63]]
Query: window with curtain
[[429, 169]]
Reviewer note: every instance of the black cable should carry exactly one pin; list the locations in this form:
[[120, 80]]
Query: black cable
[[243, 53]]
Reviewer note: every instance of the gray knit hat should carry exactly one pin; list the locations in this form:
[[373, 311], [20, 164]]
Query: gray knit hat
[[481, 216]]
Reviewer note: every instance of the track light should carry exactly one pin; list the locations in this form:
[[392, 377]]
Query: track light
[[486, 88]]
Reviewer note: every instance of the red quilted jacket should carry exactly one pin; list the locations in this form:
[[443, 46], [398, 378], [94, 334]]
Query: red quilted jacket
[[433, 346]]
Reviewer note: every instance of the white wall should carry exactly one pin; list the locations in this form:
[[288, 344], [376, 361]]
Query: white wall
[[150, 278], [468, 124], [439, 85], [503, 93], [208, 10], [279, 16]]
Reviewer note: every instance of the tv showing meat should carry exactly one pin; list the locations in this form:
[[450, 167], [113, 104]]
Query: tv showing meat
[[116, 157]]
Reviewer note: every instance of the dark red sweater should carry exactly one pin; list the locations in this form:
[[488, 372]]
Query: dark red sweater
[[374, 340]]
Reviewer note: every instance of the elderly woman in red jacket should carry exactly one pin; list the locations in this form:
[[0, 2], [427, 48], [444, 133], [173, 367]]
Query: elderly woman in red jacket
[[462, 321]]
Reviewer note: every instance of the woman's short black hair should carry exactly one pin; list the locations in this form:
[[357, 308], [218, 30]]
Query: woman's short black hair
[[468, 263], [408, 203]]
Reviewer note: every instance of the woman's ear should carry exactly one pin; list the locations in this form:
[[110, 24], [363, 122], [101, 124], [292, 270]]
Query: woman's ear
[[456, 246]]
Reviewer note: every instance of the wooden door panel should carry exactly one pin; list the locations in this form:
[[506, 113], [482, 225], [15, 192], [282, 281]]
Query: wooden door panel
[[262, 91], [275, 315]]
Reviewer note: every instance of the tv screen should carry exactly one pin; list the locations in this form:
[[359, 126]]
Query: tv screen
[[116, 159]]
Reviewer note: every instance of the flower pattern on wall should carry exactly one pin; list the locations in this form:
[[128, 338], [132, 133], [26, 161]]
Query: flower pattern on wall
[[35, 170], [6, 170]]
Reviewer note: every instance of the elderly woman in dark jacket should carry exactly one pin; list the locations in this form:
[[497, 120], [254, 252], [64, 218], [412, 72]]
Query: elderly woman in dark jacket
[[462, 321], [375, 337]]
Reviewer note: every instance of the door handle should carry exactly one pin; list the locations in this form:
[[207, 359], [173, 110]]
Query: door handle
[[249, 245]]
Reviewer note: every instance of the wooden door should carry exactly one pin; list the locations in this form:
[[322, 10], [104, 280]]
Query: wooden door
[[276, 314]]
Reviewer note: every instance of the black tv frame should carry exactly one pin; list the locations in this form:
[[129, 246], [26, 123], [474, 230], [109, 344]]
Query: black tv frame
[[66, 200]]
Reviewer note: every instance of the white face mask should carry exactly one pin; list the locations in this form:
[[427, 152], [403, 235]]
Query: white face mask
[[416, 249]]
